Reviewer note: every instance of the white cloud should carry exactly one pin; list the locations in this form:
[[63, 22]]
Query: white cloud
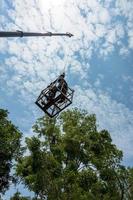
[[125, 8], [124, 51], [130, 41], [104, 16]]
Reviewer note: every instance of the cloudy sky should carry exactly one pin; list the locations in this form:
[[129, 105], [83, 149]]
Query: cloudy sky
[[98, 61]]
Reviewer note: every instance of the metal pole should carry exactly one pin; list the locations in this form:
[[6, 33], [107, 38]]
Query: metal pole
[[30, 34]]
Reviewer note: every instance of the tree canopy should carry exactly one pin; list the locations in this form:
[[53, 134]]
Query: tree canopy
[[17, 196], [10, 138], [70, 159]]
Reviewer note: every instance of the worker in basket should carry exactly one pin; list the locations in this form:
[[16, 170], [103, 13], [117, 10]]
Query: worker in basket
[[58, 85]]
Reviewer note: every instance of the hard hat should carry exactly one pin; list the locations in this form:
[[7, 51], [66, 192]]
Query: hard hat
[[63, 74]]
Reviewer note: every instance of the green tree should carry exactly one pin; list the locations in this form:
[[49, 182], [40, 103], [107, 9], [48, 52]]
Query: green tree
[[129, 183], [17, 196], [9, 149], [70, 159]]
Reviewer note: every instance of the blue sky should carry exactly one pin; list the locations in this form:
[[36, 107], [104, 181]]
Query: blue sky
[[98, 61]]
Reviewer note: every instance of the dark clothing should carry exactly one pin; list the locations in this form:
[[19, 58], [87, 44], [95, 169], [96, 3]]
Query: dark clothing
[[52, 92], [63, 88], [59, 85]]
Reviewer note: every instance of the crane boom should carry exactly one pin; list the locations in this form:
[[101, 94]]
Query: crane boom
[[31, 34]]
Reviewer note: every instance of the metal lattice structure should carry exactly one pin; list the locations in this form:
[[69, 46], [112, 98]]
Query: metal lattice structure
[[60, 100]]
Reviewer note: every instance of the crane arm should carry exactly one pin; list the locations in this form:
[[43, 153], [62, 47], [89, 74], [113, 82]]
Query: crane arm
[[31, 34]]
